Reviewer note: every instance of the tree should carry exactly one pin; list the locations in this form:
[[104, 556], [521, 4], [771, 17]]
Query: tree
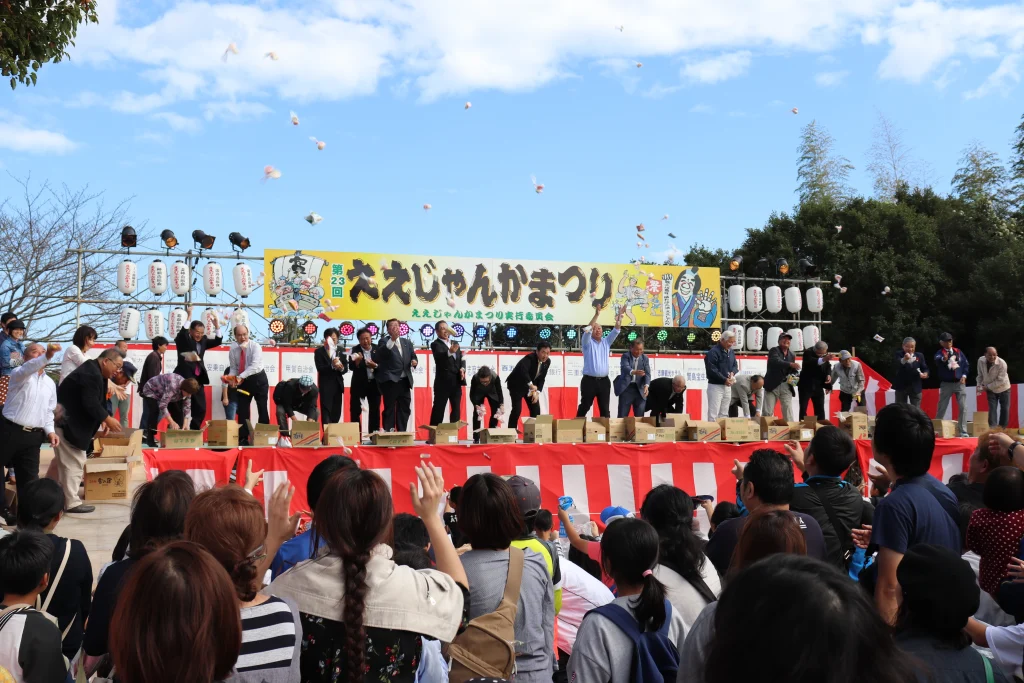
[[981, 176], [821, 173], [890, 161], [37, 274], [1015, 192], [33, 32]]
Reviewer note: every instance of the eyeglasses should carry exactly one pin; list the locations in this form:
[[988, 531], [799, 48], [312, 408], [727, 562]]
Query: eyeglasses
[[257, 555]]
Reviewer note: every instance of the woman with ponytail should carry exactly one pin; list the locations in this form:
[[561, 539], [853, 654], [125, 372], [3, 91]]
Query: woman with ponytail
[[362, 615], [690, 580], [229, 523], [603, 650]]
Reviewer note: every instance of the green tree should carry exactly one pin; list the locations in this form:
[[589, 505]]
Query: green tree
[[1015, 191], [822, 174], [891, 162], [33, 32], [981, 176]]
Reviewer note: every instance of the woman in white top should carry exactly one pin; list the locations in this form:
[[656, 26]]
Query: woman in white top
[[84, 339], [691, 581]]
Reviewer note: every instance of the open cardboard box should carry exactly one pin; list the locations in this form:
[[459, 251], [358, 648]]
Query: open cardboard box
[[699, 430], [181, 438], [446, 432], [774, 429], [538, 429], [392, 439], [222, 433], [615, 427], [264, 435], [595, 432], [569, 431], [106, 478], [945, 429], [678, 423], [305, 434], [343, 434], [498, 435]]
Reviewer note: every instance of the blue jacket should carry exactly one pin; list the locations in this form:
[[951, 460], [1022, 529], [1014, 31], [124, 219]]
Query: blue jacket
[[942, 359], [625, 377], [906, 378], [718, 363], [293, 551], [12, 353]]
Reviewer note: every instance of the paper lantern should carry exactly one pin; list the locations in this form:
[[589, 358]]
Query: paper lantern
[[154, 322], [210, 320], [754, 338], [755, 299], [736, 297], [772, 337], [181, 278], [815, 299], [738, 331], [244, 284], [213, 279], [794, 300], [773, 299], [239, 317], [128, 323], [812, 335], [127, 277], [178, 320], [157, 277], [798, 339]]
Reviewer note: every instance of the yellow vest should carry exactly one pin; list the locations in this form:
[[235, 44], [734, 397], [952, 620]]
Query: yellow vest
[[540, 548]]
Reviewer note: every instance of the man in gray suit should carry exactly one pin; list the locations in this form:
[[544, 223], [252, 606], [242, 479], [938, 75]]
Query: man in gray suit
[[631, 386], [395, 359]]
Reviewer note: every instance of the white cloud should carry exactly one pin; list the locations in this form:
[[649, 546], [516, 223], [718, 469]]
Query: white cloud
[[1000, 81], [151, 136], [657, 91], [701, 108], [178, 122], [234, 111], [949, 74], [828, 79], [716, 69], [17, 135]]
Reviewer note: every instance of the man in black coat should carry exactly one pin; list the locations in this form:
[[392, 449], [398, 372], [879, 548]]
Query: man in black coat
[[191, 345], [666, 395], [815, 379], [82, 402], [364, 383], [449, 376], [396, 359], [331, 366], [485, 386], [295, 396], [527, 381], [781, 364], [153, 366]]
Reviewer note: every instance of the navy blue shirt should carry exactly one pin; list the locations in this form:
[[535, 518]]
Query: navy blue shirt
[[907, 379], [918, 510], [942, 364], [718, 363], [292, 552]]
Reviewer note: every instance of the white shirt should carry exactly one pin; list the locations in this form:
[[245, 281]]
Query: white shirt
[[367, 355], [395, 344], [73, 357], [581, 593], [31, 397], [684, 597], [253, 359], [448, 342]]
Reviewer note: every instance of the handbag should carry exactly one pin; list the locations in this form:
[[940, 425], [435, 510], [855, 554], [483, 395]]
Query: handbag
[[5, 381], [53, 589]]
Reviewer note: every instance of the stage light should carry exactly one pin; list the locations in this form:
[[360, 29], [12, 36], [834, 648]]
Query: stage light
[[511, 332], [782, 266], [458, 330], [168, 238], [631, 337], [237, 241], [690, 337], [403, 329], [570, 334], [277, 326], [545, 333], [202, 239], [372, 329], [346, 329], [735, 262], [480, 332], [762, 266], [716, 336], [662, 335], [128, 237], [427, 330], [806, 266], [605, 334], [309, 329]]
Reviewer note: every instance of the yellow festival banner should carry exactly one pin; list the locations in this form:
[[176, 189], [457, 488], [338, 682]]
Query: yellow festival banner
[[333, 285]]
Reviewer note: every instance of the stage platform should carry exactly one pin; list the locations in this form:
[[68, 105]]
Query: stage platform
[[595, 475]]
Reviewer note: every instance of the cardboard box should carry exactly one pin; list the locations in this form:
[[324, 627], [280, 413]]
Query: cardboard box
[[637, 428], [222, 433], [129, 445], [538, 430], [446, 432], [980, 424], [569, 431], [392, 439], [265, 435], [945, 429], [677, 422], [498, 435], [798, 431], [774, 429], [739, 429], [664, 434], [699, 430], [305, 434], [854, 424], [814, 424], [107, 478], [615, 427], [595, 432], [343, 434], [181, 438]]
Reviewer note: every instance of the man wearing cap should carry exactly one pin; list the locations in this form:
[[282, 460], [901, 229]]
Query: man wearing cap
[[721, 368], [911, 368], [170, 397], [528, 496], [118, 385], [851, 381], [296, 395], [634, 380], [666, 395], [595, 382], [245, 363], [27, 418], [953, 367], [781, 364], [747, 396]]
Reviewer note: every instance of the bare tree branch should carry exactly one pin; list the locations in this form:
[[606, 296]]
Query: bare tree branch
[[891, 162]]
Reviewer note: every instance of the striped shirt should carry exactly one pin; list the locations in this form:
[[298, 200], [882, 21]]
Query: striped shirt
[[271, 636]]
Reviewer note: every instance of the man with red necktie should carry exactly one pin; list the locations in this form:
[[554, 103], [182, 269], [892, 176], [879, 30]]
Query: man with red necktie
[[245, 361]]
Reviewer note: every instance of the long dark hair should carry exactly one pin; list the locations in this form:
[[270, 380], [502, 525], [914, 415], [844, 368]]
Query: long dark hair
[[629, 551], [670, 511], [158, 511], [353, 515]]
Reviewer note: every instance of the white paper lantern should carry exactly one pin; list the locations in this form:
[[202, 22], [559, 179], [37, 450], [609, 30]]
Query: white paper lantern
[[755, 299], [754, 338], [738, 331], [736, 297], [128, 323], [239, 317], [157, 277], [772, 337], [244, 283], [213, 279], [773, 299], [793, 299], [812, 335], [154, 322], [127, 277], [815, 299], [178, 320], [210, 320], [181, 278], [798, 339]]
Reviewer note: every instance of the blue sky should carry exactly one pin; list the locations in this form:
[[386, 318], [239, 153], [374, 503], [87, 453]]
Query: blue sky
[[703, 131]]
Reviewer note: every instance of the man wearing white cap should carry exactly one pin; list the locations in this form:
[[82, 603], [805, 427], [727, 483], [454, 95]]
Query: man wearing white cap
[[851, 381], [296, 395]]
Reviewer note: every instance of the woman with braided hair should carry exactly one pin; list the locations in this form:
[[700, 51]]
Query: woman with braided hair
[[690, 580], [363, 617]]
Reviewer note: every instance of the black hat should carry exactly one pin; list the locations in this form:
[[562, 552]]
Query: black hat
[[526, 492], [15, 325], [929, 571], [945, 337], [129, 370], [787, 335]]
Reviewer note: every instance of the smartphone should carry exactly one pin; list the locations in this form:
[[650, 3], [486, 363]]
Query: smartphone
[[697, 500]]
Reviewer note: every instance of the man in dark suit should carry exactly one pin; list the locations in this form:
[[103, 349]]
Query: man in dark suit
[[815, 379], [633, 382], [449, 376], [527, 381], [396, 359], [191, 345], [666, 395], [781, 364], [486, 386], [331, 366], [364, 384]]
